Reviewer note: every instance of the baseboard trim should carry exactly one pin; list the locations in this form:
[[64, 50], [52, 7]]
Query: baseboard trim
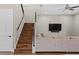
[[6, 53], [63, 52]]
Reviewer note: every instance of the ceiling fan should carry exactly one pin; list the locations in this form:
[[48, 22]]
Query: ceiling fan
[[67, 7]]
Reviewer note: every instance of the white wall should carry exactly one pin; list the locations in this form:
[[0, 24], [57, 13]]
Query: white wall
[[43, 24], [17, 18], [29, 14], [76, 25]]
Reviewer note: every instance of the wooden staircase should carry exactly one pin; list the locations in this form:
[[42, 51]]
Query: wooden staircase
[[24, 45]]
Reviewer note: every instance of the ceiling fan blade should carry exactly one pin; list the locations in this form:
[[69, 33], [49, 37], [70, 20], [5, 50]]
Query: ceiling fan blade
[[75, 7]]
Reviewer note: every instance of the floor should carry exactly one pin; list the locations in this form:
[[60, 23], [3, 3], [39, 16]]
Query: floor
[[24, 45]]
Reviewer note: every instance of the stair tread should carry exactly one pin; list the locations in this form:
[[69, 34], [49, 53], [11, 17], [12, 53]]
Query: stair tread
[[24, 45]]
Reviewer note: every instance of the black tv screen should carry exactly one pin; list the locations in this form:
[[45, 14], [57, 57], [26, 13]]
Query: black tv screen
[[54, 27]]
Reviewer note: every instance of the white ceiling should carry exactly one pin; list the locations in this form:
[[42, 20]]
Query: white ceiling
[[52, 9]]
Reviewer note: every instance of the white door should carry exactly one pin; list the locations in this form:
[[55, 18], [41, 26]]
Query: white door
[[6, 29]]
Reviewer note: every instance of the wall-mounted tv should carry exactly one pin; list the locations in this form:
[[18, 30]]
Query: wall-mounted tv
[[54, 27]]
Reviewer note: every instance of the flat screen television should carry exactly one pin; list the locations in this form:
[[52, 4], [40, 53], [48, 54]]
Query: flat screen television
[[54, 27]]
